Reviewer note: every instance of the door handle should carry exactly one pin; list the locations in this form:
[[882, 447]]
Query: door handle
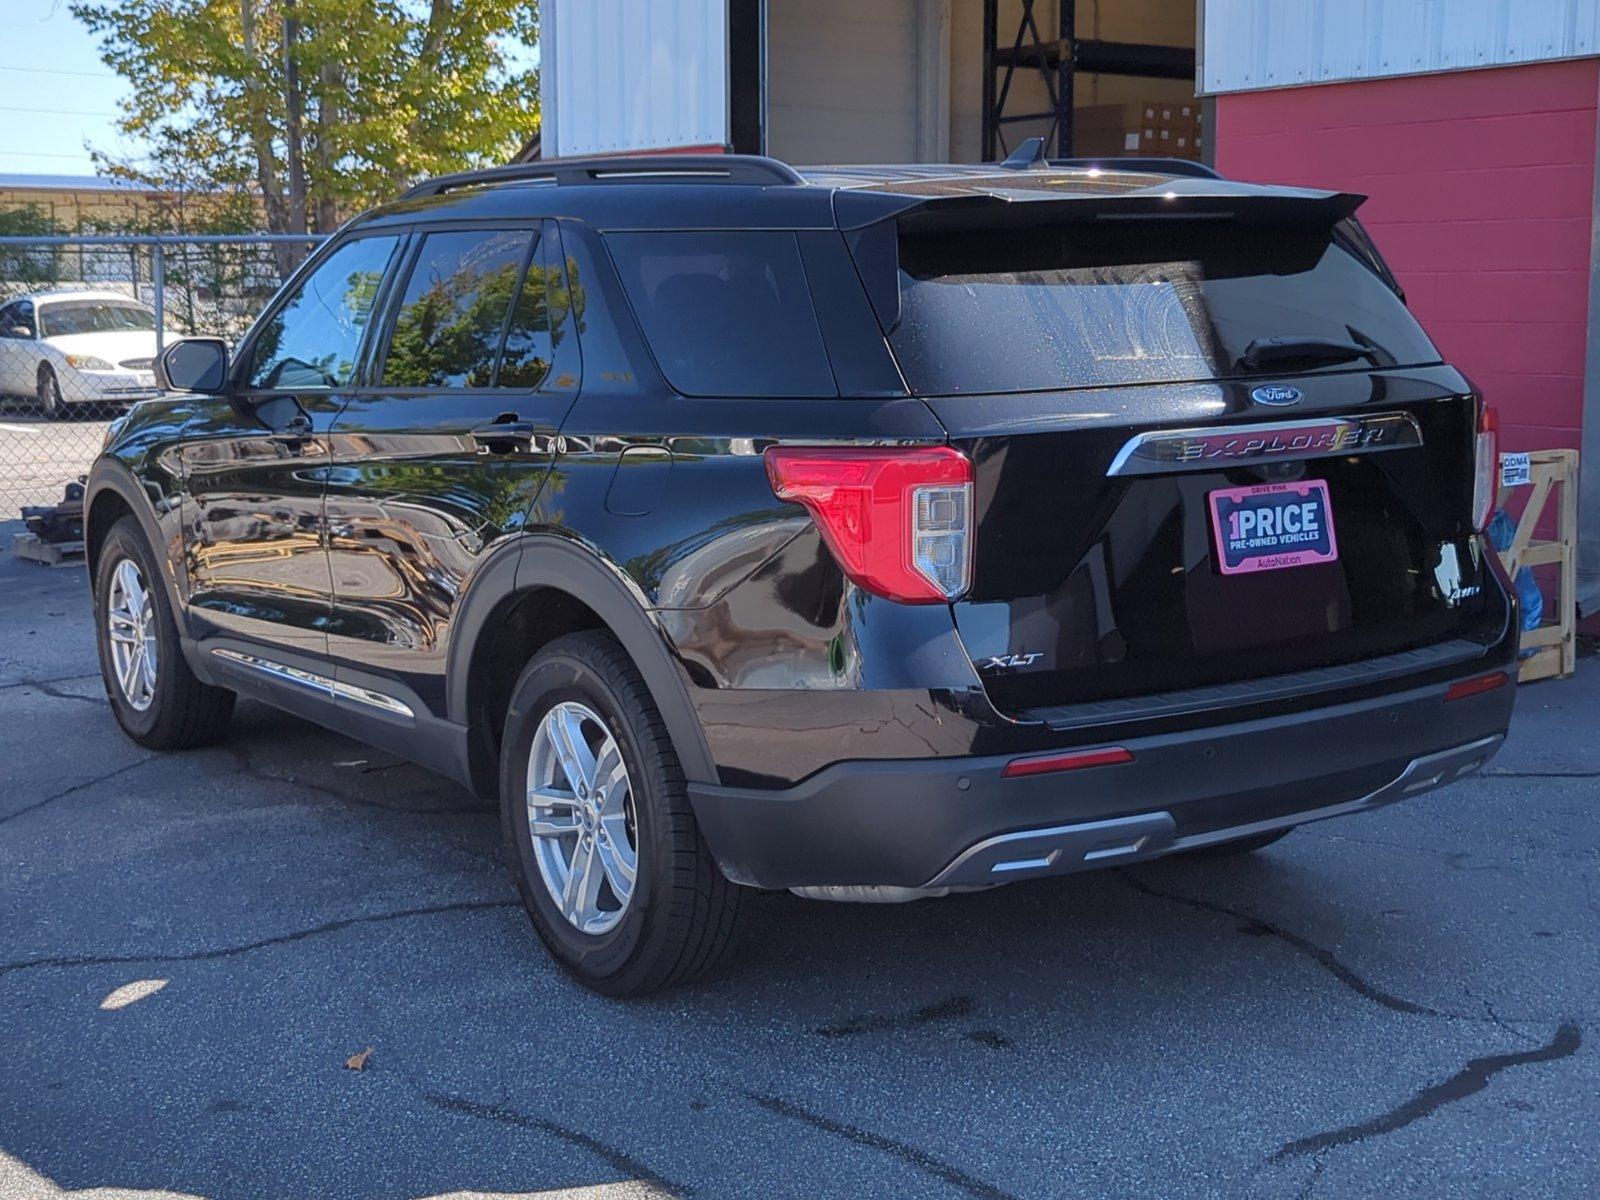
[[296, 431], [502, 436]]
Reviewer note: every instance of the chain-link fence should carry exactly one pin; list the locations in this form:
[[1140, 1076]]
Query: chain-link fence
[[81, 321]]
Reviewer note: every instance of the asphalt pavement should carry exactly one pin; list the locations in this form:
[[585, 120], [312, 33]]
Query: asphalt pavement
[[194, 946]]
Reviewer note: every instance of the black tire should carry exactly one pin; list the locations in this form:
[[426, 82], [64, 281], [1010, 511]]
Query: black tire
[[680, 918], [182, 711], [1244, 845], [48, 394]]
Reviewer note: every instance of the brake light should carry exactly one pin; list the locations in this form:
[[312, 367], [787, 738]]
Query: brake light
[[898, 520], [1485, 465]]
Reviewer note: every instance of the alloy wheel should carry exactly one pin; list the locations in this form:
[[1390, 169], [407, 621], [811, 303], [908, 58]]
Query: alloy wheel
[[131, 628], [582, 818]]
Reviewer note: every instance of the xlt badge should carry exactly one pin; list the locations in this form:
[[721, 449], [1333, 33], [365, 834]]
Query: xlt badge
[[1003, 662]]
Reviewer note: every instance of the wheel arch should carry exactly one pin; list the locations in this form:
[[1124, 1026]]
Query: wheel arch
[[112, 493], [554, 586]]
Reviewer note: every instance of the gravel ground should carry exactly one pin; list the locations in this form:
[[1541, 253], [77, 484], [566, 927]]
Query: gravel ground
[[1400, 1004]]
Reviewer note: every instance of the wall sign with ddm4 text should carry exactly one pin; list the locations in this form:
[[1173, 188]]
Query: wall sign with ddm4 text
[[1516, 470]]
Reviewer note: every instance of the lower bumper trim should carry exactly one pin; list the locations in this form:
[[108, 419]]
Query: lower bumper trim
[[1062, 849]]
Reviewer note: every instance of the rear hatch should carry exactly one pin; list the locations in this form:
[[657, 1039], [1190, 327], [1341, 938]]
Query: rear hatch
[[1217, 460]]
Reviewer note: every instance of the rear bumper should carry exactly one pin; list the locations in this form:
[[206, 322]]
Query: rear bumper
[[958, 822]]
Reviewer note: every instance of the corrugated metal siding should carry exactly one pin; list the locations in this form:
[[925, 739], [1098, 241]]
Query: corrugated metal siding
[[1250, 44], [635, 74], [1481, 194]]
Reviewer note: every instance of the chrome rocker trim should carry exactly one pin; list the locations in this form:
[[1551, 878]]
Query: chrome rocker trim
[[1062, 849], [332, 688]]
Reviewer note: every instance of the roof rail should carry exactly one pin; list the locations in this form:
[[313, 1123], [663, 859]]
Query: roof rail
[[749, 169]]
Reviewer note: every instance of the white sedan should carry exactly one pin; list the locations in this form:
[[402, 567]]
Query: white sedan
[[66, 348]]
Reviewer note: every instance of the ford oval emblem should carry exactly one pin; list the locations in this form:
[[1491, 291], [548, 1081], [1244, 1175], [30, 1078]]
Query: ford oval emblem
[[1276, 394]]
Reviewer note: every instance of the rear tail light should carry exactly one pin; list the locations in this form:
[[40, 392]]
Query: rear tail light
[[899, 521], [1485, 465]]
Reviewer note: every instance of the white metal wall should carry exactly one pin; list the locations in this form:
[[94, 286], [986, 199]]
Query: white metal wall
[[1250, 44], [634, 74]]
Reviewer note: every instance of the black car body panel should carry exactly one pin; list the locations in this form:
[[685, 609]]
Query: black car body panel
[[367, 549]]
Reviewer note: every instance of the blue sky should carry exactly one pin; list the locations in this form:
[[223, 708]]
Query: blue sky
[[55, 93]]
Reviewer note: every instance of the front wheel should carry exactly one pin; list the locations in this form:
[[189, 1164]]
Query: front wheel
[[604, 846], [49, 392], [157, 699]]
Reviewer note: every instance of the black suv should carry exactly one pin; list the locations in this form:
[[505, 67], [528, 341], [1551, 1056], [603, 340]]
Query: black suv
[[869, 532]]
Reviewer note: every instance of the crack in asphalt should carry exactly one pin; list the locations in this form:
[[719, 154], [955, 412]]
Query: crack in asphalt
[[49, 687], [282, 939], [1325, 958], [948, 1009], [617, 1159], [76, 788], [908, 1154], [39, 683], [1468, 1081]]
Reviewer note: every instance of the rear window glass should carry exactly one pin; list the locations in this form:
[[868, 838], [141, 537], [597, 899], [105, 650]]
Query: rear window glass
[[1090, 305], [726, 314]]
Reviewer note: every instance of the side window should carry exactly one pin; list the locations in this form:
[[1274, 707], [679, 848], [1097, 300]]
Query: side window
[[525, 361], [311, 342], [726, 314], [452, 315]]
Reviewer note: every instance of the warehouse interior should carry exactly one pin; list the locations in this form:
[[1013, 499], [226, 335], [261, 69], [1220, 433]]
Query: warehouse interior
[[963, 80]]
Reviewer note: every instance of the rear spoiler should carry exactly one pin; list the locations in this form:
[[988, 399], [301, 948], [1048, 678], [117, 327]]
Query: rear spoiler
[[1172, 199], [872, 220]]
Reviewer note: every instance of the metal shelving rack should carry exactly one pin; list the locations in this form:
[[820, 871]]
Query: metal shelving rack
[[1057, 61]]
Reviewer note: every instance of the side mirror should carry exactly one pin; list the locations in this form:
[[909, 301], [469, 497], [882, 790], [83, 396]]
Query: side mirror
[[20, 331], [198, 364]]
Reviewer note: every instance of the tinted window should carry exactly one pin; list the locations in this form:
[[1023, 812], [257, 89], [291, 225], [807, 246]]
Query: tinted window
[[453, 313], [726, 314], [94, 316], [1085, 306], [525, 359], [311, 342]]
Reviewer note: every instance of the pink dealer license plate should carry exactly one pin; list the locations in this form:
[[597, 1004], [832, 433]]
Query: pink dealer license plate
[[1273, 525]]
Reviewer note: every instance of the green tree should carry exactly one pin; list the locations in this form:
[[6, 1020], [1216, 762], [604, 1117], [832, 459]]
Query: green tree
[[321, 107]]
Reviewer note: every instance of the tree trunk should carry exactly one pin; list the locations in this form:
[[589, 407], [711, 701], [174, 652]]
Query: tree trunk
[[261, 143], [294, 128], [330, 89]]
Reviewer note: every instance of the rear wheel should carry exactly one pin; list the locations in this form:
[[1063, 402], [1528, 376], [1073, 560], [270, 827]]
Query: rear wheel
[[1244, 845], [49, 393], [157, 699], [604, 846]]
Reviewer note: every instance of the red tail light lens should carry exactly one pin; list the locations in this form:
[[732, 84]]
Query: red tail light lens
[[898, 520], [1485, 467]]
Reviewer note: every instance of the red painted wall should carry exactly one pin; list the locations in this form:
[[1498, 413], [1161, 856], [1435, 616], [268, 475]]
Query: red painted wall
[[1481, 198]]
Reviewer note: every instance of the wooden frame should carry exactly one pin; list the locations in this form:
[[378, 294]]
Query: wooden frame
[[1554, 643]]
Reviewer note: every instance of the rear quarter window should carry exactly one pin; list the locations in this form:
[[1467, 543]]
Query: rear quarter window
[[1087, 305], [725, 313]]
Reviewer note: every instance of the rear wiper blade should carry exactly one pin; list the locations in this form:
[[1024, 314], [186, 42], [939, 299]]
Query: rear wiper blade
[[1267, 351]]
